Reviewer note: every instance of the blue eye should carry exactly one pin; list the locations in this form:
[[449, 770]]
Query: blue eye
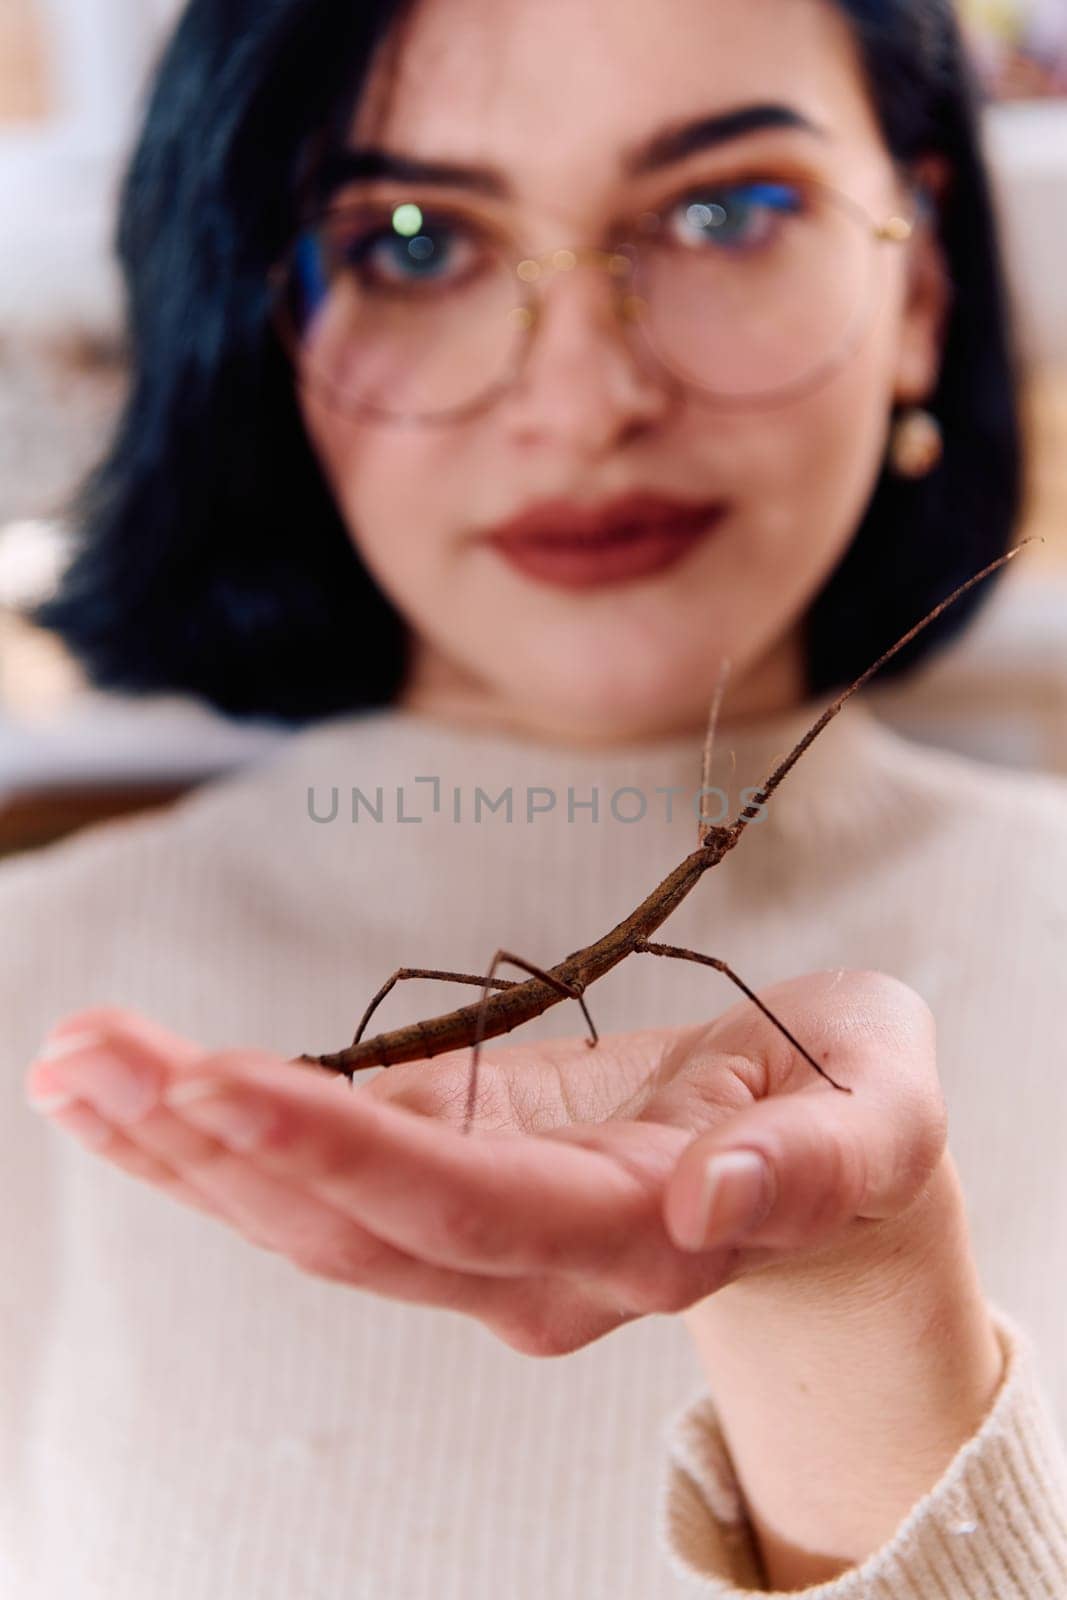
[[389, 259], [737, 217]]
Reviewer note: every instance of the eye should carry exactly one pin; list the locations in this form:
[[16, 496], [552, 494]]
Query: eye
[[735, 217], [410, 247]]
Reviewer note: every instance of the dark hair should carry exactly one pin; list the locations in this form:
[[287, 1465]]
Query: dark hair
[[211, 557]]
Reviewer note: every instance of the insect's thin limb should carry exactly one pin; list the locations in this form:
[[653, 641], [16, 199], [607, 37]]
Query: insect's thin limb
[[646, 945], [424, 972], [768, 788], [574, 991], [709, 742], [415, 972]]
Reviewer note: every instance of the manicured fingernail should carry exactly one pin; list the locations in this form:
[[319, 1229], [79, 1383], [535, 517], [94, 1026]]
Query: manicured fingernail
[[214, 1108], [734, 1196]]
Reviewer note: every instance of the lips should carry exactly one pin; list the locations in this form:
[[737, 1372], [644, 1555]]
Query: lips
[[619, 546], [559, 523]]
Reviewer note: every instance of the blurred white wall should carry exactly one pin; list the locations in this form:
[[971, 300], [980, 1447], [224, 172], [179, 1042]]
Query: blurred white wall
[[58, 178], [1026, 143]]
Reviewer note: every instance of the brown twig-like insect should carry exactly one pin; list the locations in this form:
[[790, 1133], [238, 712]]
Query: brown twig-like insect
[[520, 1001]]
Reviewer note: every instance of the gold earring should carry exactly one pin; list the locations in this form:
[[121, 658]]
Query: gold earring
[[916, 443]]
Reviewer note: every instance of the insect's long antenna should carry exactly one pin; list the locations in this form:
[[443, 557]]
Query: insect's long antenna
[[794, 755], [709, 742]]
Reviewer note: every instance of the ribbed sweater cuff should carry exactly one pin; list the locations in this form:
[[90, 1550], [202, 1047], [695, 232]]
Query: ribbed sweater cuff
[[993, 1528]]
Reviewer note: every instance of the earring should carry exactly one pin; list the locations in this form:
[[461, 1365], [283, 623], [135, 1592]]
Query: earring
[[916, 443]]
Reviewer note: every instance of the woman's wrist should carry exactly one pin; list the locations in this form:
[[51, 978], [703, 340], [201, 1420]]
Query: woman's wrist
[[846, 1383]]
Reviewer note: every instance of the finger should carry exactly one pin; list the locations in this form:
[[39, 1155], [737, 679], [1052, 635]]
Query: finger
[[827, 1160], [196, 1170], [93, 1055], [527, 1213], [112, 1066], [832, 1014], [98, 1136], [522, 1312], [502, 1204], [103, 1022], [56, 1085], [605, 1223]]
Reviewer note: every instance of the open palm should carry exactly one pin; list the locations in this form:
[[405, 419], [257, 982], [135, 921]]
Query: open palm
[[560, 1217]]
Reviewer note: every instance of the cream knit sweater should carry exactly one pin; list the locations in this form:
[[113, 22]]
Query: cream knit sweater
[[189, 1417]]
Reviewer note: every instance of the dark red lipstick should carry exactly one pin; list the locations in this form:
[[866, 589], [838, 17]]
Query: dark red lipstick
[[579, 547]]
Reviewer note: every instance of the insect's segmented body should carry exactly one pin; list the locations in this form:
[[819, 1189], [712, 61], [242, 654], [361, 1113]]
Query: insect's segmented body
[[521, 1001]]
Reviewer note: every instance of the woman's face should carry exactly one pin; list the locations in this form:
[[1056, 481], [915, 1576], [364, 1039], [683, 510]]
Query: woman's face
[[552, 97]]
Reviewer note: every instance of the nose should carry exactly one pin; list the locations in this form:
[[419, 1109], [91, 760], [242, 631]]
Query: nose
[[585, 379]]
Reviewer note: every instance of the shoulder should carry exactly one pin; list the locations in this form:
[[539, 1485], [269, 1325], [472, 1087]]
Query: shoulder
[[876, 777], [967, 862], [240, 841], [936, 844], [974, 800], [214, 822], [139, 910], [64, 906], [121, 850]]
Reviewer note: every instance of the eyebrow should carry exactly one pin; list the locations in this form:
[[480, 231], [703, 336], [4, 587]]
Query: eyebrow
[[670, 145]]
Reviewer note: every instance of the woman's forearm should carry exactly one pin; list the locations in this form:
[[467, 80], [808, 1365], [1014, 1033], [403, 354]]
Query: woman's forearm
[[844, 1393]]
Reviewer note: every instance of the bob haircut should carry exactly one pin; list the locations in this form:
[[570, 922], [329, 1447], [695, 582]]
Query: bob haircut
[[211, 558]]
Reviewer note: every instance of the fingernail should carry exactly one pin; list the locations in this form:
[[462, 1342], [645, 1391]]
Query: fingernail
[[46, 1095], [212, 1107], [55, 1047], [45, 1100], [103, 1078], [735, 1195]]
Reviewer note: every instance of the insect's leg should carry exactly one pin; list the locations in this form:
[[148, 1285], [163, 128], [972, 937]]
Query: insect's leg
[[413, 972], [573, 990], [647, 946], [423, 972]]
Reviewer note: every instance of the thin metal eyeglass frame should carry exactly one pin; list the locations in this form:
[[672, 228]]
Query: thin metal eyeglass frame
[[533, 270]]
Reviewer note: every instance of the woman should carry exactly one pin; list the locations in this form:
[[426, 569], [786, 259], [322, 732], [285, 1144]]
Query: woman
[[505, 530]]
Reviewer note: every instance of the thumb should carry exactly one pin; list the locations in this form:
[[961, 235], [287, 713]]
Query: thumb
[[794, 1169]]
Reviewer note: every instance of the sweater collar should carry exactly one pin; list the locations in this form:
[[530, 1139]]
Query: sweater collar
[[387, 745]]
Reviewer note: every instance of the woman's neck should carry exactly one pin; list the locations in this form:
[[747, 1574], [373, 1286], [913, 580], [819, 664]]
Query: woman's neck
[[440, 689]]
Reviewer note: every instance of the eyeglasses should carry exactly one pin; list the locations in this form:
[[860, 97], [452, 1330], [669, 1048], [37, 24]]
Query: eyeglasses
[[746, 293]]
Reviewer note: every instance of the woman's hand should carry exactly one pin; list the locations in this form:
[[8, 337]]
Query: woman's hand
[[573, 1206]]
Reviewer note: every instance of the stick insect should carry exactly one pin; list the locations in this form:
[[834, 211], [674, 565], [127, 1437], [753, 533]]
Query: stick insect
[[519, 1001]]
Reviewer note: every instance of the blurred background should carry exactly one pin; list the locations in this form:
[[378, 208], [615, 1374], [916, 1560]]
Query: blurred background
[[72, 73]]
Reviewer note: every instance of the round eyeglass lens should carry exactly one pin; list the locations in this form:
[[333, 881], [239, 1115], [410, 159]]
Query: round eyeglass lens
[[399, 313], [753, 290]]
